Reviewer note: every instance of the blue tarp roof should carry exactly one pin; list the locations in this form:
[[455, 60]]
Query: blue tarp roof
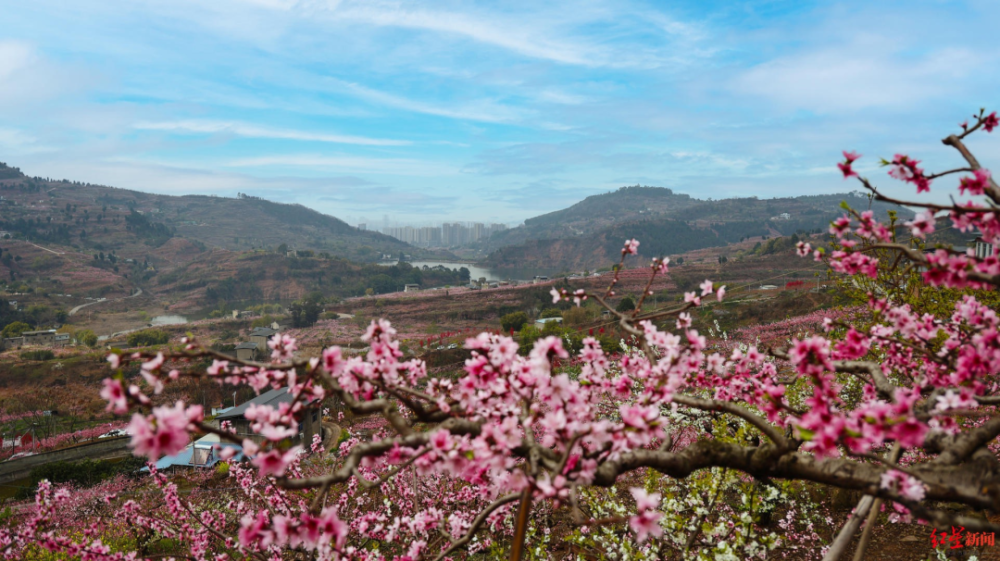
[[183, 458]]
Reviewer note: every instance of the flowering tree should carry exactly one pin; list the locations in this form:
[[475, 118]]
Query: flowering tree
[[903, 411]]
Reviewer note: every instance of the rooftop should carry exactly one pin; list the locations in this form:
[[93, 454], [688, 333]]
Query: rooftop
[[262, 331], [272, 398], [247, 345]]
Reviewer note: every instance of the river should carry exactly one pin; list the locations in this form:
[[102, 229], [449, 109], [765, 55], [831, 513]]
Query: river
[[477, 271]]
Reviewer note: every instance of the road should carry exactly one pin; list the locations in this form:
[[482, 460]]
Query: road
[[82, 306]]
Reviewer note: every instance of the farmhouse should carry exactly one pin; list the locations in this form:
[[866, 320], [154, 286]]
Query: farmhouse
[[43, 338], [260, 337], [411, 287], [309, 426], [202, 453], [246, 351]]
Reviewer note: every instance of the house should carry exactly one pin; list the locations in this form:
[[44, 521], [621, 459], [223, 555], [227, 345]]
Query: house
[[200, 454], [260, 336], [411, 287], [117, 345], [983, 248], [246, 351], [237, 314], [61, 340], [12, 343], [43, 338], [540, 279], [542, 322], [309, 425]]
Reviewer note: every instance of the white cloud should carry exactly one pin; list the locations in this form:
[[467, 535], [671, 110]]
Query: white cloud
[[343, 163], [861, 76], [516, 36], [486, 111], [254, 131], [14, 55]]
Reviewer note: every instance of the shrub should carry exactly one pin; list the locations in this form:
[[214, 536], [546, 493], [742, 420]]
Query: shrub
[[627, 304], [86, 337], [40, 354], [147, 337], [513, 321]]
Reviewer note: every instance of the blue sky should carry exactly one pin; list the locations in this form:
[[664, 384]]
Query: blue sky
[[432, 111]]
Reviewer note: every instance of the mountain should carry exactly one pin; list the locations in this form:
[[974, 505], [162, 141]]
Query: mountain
[[590, 233], [97, 218], [596, 213], [63, 241]]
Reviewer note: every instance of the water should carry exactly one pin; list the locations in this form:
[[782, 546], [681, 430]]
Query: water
[[477, 271], [168, 320]]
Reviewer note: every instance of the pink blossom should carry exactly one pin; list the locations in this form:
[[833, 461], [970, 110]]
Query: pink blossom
[[631, 247], [706, 288], [274, 462], [990, 122], [922, 224], [908, 487], [977, 184], [165, 431], [114, 393]]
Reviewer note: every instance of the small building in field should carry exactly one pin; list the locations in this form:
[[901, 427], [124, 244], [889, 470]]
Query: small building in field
[[43, 338], [11, 343], [246, 351], [203, 453], [260, 336], [542, 322], [411, 287], [242, 314], [308, 426], [61, 340]]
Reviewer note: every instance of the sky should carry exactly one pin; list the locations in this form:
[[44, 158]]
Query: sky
[[468, 111]]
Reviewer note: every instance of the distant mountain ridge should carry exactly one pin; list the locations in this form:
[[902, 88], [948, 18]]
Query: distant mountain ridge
[[597, 212], [95, 217], [590, 233]]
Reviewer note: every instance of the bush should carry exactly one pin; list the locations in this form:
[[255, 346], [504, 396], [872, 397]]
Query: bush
[[147, 337], [40, 354], [264, 321], [86, 337], [627, 304], [551, 313], [513, 321], [577, 316]]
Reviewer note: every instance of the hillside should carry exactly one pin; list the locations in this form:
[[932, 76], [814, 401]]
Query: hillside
[[64, 244], [596, 213], [665, 223], [94, 218]]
